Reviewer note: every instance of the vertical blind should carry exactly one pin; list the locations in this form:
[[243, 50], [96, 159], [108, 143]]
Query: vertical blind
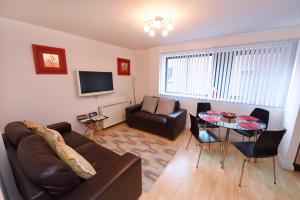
[[252, 74]]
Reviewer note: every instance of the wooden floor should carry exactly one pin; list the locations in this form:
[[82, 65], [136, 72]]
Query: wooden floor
[[183, 181]]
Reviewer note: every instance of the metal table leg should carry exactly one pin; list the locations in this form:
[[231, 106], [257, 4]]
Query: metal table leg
[[225, 148]]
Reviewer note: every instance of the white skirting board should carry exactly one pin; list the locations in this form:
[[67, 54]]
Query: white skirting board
[[115, 111]]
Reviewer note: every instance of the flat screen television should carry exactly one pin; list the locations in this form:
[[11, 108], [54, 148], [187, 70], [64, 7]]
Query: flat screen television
[[92, 83]]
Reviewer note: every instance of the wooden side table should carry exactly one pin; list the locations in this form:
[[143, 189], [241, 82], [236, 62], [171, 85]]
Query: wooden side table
[[93, 122]]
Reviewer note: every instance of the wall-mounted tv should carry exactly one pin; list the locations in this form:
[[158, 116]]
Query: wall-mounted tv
[[92, 83]]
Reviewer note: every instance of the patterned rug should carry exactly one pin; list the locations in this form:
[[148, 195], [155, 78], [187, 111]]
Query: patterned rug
[[155, 153]]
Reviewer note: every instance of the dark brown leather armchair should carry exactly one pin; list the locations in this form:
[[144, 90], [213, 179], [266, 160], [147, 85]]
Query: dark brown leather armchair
[[167, 126], [41, 175]]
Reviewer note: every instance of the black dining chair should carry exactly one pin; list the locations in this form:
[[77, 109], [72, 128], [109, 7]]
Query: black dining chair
[[204, 107], [260, 114], [204, 136], [266, 146]]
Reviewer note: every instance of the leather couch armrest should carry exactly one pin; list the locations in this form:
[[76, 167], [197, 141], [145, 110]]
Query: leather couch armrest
[[177, 114], [61, 127], [130, 110], [120, 180], [176, 122], [134, 108]]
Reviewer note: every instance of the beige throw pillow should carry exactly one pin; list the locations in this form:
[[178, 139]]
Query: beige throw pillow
[[75, 161], [165, 106], [149, 104], [53, 137], [35, 126]]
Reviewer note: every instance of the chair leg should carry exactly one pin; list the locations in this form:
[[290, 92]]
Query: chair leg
[[199, 154], [242, 171], [189, 142], [274, 169], [220, 136], [243, 138]]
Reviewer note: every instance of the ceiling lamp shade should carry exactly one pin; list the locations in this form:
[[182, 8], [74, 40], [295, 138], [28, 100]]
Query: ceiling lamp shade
[[159, 24], [151, 33]]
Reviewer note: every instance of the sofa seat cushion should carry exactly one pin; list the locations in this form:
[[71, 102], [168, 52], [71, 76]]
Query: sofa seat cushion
[[44, 168], [98, 156], [144, 120], [74, 139], [16, 131], [152, 117]]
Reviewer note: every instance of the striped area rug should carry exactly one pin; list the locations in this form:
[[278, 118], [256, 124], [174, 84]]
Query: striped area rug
[[155, 153]]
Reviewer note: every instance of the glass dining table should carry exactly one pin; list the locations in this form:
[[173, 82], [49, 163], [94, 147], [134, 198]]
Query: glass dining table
[[239, 122]]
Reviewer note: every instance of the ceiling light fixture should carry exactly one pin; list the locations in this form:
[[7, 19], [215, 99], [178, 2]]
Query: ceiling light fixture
[[158, 23]]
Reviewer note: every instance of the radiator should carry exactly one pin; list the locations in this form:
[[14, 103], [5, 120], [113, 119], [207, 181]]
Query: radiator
[[115, 112]]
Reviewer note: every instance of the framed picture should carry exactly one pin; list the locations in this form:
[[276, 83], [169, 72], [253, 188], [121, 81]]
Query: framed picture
[[123, 66], [49, 60]]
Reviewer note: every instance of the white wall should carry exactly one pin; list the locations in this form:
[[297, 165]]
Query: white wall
[[276, 114], [141, 74], [53, 98], [289, 145]]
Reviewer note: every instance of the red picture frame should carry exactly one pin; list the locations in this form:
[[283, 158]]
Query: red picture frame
[[123, 66], [49, 60]]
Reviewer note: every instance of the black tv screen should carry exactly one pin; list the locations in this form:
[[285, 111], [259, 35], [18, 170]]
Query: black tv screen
[[93, 82]]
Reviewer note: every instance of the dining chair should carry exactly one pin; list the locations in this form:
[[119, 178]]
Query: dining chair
[[203, 136], [204, 107], [258, 113], [266, 146]]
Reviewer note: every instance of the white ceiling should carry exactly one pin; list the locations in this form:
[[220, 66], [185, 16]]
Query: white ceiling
[[120, 22]]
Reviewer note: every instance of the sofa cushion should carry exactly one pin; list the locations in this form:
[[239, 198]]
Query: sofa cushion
[[97, 155], [74, 139], [27, 188], [149, 104], [32, 124], [44, 168], [75, 161], [165, 106], [35, 126], [15, 131], [151, 117], [52, 137]]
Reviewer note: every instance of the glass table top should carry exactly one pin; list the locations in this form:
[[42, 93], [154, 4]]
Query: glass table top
[[239, 123]]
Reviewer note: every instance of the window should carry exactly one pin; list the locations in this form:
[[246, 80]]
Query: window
[[252, 74]]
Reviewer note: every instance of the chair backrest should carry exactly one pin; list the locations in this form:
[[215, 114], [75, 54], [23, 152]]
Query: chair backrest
[[194, 125], [261, 114], [268, 142], [202, 107]]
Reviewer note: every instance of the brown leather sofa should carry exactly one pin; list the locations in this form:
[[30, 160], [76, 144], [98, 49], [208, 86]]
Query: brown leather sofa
[[168, 126], [41, 175]]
